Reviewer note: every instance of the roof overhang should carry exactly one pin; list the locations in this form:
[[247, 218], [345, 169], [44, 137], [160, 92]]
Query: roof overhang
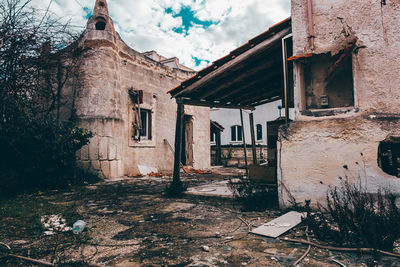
[[250, 75]]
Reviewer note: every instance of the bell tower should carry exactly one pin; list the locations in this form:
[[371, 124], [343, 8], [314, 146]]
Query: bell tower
[[100, 20]]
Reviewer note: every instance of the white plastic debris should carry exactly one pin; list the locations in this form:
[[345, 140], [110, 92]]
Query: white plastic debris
[[206, 248], [78, 227], [54, 223]]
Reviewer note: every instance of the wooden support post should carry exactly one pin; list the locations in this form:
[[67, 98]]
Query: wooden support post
[[218, 145], [253, 138], [178, 143], [244, 143]]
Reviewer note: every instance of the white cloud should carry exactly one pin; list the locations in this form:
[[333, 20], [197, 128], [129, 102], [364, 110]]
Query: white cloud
[[144, 24]]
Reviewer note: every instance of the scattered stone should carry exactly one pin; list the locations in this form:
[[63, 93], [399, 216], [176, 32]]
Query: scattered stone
[[53, 223], [206, 248]]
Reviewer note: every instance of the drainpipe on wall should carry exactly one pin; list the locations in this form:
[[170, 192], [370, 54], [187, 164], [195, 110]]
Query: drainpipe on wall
[[285, 77], [310, 24]]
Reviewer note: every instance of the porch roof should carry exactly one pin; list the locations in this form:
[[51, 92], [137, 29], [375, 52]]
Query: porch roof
[[248, 76]]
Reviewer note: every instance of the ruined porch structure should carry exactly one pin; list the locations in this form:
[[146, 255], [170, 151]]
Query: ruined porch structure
[[341, 66], [251, 75]]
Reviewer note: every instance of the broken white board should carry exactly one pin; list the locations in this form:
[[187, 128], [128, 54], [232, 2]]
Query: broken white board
[[279, 225], [145, 170]]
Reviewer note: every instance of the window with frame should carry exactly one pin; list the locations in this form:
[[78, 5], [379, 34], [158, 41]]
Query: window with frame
[[259, 132], [212, 137], [145, 133], [236, 133]]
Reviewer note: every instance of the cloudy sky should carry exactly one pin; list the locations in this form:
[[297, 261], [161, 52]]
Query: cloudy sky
[[196, 31]]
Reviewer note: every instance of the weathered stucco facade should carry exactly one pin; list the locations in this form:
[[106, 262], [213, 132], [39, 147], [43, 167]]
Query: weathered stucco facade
[[109, 68], [327, 142]]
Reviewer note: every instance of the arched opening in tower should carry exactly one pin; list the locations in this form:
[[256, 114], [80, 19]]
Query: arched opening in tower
[[100, 24]]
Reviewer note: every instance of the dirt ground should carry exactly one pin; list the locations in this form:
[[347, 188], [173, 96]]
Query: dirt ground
[[130, 223]]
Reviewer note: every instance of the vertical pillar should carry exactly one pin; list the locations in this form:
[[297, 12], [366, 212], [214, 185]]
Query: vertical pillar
[[244, 142], [218, 145], [253, 138], [178, 142]]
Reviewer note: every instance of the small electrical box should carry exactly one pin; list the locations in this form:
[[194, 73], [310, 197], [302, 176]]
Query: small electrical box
[[324, 101]]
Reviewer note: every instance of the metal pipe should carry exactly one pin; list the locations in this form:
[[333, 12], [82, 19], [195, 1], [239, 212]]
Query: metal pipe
[[310, 24], [285, 75]]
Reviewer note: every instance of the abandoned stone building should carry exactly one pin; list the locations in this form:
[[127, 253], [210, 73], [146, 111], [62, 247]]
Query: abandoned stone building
[[122, 98], [334, 63]]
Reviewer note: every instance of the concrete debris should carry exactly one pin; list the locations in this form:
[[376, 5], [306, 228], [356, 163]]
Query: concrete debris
[[54, 223], [279, 225], [206, 248], [145, 170]]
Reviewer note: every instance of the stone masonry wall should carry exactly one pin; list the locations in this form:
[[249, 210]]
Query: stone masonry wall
[[103, 106]]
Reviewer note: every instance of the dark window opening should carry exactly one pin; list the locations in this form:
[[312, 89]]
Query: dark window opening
[[236, 133], [101, 4], [259, 132], [100, 24], [144, 133], [212, 137], [389, 155]]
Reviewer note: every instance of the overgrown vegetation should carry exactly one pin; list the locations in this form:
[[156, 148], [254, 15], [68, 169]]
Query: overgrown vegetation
[[356, 218], [37, 145], [253, 195]]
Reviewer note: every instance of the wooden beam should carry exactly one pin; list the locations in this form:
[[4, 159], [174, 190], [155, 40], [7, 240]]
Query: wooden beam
[[236, 77], [245, 86], [178, 142], [244, 143], [268, 90], [212, 104], [253, 139], [260, 48]]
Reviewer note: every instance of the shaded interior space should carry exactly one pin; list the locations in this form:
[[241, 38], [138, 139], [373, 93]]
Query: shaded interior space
[[100, 24], [215, 138], [325, 81], [389, 156]]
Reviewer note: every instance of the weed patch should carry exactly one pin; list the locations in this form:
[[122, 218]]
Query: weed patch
[[357, 218], [253, 195]]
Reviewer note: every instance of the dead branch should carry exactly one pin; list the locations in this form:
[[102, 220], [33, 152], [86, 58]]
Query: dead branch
[[366, 250], [306, 253]]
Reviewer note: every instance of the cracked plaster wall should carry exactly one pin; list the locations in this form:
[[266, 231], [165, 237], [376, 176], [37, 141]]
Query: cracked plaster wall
[[314, 150]]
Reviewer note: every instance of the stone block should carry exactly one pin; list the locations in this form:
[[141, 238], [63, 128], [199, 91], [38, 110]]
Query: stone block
[[105, 168], [113, 168], [112, 151], [84, 153], [94, 148], [103, 148], [95, 165], [108, 126]]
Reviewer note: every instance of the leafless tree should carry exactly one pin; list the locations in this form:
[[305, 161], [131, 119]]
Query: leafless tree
[[37, 59]]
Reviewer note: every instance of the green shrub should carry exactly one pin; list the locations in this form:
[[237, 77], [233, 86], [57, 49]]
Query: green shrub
[[253, 195], [39, 153]]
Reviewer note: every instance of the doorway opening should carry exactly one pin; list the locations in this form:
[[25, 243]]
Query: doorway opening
[[187, 145]]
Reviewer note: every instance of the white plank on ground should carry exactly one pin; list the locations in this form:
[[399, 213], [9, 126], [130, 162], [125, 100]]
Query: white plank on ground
[[279, 225]]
